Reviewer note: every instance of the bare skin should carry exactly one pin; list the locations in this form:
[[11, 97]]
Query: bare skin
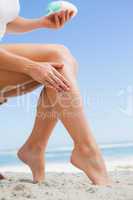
[[54, 67], [86, 155], [21, 70]]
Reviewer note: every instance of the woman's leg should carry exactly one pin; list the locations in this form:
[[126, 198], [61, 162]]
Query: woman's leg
[[86, 154], [32, 152]]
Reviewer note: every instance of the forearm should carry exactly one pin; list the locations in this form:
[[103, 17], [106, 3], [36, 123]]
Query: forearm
[[21, 25], [13, 62]]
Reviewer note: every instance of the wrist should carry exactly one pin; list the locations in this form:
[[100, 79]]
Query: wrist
[[28, 66], [42, 22], [35, 24], [39, 23]]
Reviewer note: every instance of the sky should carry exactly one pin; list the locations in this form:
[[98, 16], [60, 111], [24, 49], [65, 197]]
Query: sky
[[101, 39]]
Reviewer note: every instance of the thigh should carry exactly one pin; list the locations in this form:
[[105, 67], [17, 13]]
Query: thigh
[[36, 52], [8, 78]]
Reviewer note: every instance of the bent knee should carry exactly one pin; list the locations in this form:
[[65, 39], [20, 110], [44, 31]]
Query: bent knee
[[60, 53], [65, 55]]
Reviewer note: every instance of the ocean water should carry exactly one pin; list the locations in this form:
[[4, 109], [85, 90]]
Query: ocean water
[[116, 156]]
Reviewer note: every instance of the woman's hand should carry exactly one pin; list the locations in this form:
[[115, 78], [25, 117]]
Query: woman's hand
[[56, 20], [47, 74]]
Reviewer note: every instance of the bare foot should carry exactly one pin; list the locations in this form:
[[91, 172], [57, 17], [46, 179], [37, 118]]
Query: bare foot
[[1, 177], [35, 160], [91, 164]]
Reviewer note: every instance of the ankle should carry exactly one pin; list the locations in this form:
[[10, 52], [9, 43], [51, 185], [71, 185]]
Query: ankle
[[37, 148], [87, 149]]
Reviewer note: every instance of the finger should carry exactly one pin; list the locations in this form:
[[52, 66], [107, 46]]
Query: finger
[[51, 16], [49, 85], [60, 83], [53, 83], [71, 14], [57, 21], [63, 19], [62, 78], [67, 15], [57, 65], [60, 15]]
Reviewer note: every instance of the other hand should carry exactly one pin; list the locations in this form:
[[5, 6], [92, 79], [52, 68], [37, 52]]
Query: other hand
[[56, 20]]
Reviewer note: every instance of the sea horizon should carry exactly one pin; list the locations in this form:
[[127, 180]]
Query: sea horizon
[[117, 156], [102, 145]]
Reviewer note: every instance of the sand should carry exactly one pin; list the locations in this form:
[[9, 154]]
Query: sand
[[66, 186]]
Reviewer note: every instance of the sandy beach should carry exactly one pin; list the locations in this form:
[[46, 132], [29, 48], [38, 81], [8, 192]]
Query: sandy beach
[[66, 186]]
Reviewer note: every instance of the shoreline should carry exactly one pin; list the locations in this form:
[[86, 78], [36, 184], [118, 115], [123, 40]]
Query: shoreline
[[112, 165], [65, 182]]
